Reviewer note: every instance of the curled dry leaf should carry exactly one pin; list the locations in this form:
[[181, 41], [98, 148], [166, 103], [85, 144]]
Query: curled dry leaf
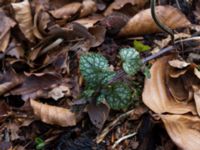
[[53, 115], [89, 21], [24, 18], [34, 84], [184, 130], [118, 4], [5, 25], [178, 63], [155, 94], [178, 95], [197, 72], [66, 11], [88, 7], [143, 23], [8, 80]]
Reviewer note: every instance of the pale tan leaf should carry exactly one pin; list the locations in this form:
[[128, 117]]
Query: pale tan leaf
[[197, 72], [53, 115], [197, 98], [156, 94], [117, 4], [5, 25], [4, 41], [59, 92], [142, 23], [89, 7], [184, 130], [24, 18], [175, 73], [89, 21], [66, 11], [180, 64]]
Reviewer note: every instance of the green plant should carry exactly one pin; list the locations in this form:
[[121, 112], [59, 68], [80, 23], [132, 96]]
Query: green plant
[[97, 74], [140, 47], [40, 144]]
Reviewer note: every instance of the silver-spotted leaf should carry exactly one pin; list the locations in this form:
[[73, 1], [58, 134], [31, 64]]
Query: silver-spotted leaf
[[131, 60], [118, 96], [95, 69]]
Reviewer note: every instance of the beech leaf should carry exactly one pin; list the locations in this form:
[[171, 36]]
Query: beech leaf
[[143, 23], [53, 115], [24, 18], [183, 130]]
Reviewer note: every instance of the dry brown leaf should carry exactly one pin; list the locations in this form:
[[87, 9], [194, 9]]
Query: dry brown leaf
[[89, 21], [88, 7], [118, 4], [165, 42], [66, 11], [24, 18], [59, 92], [180, 64], [35, 82], [5, 25], [175, 73], [197, 72], [184, 130], [155, 94], [142, 23], [53, 115], [98, 114], [9, 80], [197, 98]]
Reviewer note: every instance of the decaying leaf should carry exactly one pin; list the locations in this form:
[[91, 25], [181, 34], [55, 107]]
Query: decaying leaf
[[98, 114], [5, 26], [53, 115], [175, 99], [24, 18], [178, 63], [118, 4], [89, 21], [155, 94], [142, 23], [197, 72], [88, 7], [183, 130], [34, 84], [59, 92], [66, 11], [9, 80]]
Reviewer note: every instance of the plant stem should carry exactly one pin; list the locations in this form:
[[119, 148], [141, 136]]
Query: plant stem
[[158, 23]]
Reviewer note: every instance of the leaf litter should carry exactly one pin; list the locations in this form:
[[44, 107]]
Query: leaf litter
[[99, 74]]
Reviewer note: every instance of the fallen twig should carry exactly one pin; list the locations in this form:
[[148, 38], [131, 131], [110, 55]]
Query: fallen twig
[[123, 138], [116, 122]]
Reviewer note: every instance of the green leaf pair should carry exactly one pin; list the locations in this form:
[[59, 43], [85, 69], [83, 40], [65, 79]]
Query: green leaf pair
[[95, 70]]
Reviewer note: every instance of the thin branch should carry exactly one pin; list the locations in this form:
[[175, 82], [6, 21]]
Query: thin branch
[[123, 138]]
